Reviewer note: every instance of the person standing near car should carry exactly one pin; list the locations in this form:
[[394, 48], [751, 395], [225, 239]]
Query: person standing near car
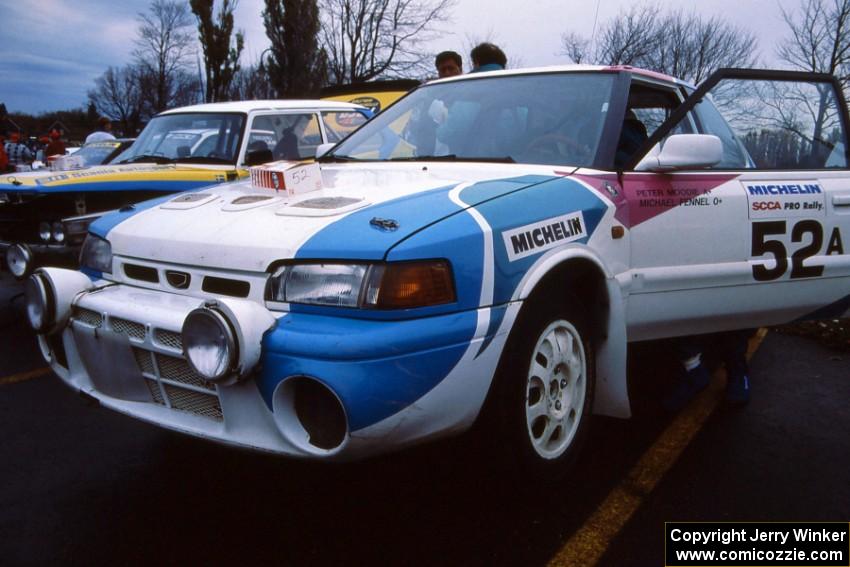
[[56, 146], [104, 131], [488, 57], [17, 152], [4, 159], [730, 348], [448, 64]]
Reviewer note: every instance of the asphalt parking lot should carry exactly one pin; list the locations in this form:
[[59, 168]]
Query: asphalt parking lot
[[85, 486]]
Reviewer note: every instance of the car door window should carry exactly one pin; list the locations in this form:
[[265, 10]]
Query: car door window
[[339, 124], [647, 108], [288, 136]]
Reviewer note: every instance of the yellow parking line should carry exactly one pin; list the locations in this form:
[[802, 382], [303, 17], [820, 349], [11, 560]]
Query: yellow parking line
[[587, 545], [24, 376]]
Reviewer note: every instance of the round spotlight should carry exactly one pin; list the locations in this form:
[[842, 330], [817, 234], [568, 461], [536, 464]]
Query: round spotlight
[[209, 344], [44, 231], [41, 305], [58, 232], [19, 259]]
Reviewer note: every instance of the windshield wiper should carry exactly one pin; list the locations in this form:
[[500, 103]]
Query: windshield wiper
[[203, 159], [328, 158], [147, 157], [453, 157], [444, 157]]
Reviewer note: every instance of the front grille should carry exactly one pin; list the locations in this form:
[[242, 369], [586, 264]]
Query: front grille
[[184, 390], [129, 328], [169, 339], [143, 359], [156, 393], [89, 317], [178, 370], [194, 402]]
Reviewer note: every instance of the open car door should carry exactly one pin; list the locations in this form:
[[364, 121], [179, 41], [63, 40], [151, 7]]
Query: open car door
[[738, 206]]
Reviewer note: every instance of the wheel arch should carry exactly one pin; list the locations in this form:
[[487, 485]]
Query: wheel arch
[[579, 272]]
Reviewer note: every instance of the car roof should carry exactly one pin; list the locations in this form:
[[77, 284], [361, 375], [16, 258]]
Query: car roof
[[253, 105], [566, 69]]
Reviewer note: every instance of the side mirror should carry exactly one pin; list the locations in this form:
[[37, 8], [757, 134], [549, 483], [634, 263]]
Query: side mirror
[[258, 157], [322, 149], [683, 151]]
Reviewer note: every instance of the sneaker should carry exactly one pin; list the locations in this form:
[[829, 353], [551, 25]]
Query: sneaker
[[690, 384], [738, 390]]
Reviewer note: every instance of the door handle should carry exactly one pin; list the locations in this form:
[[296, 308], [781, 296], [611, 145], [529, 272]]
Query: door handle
[[841, 200]]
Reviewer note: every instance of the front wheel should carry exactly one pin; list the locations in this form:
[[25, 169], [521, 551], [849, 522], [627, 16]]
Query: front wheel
[[547, 385]]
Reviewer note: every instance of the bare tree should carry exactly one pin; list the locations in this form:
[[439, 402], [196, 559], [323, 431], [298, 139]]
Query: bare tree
[[368, 39], [164, 49], [297, 67], [118, 94], [684, 45], [252, 83], [221, 55], [820, 39]]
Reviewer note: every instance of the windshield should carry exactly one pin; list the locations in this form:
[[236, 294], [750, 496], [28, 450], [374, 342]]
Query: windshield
[[544, 119], [95, 153], [208, 137]]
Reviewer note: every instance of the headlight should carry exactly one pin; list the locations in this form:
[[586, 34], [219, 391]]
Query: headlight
[[58, 232], [209, 344], [44, 231], [19, 260], [96, 254], [320, 284], [41, 305], [400, 285]]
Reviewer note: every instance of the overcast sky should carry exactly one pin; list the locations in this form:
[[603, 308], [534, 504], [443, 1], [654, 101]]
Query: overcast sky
[[52, 50]]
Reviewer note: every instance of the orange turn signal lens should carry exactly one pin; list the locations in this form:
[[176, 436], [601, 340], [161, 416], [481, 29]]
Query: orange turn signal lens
[[410, 284]]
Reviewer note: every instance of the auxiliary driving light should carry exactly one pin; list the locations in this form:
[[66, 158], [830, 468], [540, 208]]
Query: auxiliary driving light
[[19, 259], [40, 302], [209, 344], [44, 231], [58, 232]]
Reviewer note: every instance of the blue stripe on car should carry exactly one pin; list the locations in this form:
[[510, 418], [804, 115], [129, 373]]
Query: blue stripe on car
[[104, 224], [170, 185], [376, 368], [557, 196]]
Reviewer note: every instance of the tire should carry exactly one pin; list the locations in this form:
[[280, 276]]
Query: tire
[[545, 385]]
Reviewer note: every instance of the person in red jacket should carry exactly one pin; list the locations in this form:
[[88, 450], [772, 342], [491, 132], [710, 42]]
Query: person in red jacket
[[4, 159], [56, 145]]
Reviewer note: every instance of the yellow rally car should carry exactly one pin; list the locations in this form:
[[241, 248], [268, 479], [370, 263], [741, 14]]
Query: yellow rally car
[[44, 216]]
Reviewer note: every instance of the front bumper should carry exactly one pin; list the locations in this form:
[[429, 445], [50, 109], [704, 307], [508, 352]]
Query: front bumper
[[123, 346]]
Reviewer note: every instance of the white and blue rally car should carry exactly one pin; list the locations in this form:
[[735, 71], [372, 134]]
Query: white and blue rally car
[[489, 243]]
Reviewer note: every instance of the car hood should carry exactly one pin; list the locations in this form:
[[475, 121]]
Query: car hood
[[130, 177], [361, 212]]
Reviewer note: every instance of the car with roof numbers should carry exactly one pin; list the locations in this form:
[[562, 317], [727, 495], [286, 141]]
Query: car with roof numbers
[[487, 262], [44, 215]]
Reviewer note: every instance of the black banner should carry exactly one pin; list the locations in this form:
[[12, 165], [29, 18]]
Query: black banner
[[758, 544]]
